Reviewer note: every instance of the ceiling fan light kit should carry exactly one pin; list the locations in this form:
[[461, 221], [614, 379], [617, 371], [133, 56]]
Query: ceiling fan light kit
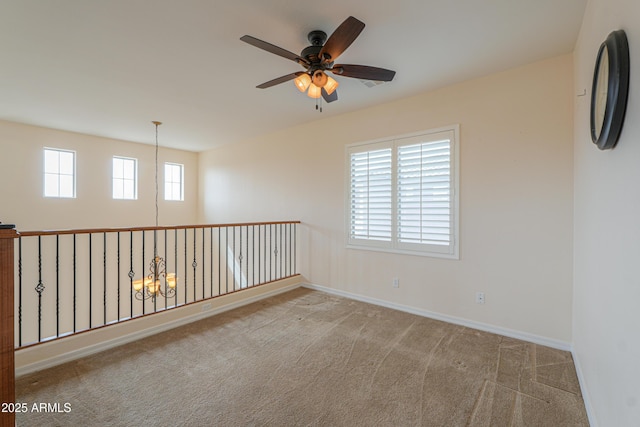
[[319, 58]]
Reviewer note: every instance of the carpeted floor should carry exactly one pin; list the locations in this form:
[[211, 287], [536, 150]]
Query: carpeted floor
[[310, 358]]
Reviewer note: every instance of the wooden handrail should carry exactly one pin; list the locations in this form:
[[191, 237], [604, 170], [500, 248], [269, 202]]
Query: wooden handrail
[[150, 228], [7, 355]]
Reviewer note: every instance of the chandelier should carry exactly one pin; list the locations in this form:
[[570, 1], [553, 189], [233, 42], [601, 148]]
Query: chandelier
[[151, 286]]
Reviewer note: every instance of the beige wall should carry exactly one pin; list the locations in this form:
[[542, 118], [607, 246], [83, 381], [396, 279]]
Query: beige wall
[[607, 235], [516, 198], [21, 176]]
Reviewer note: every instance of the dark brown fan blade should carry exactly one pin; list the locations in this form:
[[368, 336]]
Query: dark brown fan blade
[[279, 80], [341, 39], [274, 49], [363, 72], [330, 98]]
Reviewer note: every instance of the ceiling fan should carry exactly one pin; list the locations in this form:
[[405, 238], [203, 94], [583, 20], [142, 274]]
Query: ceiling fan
[[319, 58]]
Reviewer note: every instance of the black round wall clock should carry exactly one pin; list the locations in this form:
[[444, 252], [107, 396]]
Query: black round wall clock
[[609, 91]]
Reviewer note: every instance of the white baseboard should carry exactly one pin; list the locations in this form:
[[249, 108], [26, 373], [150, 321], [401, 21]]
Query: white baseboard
[[586, 397], [63, 357], [525, 336]]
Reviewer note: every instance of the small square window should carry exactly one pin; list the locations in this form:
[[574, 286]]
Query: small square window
[[59, 173]]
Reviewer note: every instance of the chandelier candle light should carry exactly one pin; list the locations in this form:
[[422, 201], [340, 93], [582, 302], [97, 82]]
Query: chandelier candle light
[[150, 286]]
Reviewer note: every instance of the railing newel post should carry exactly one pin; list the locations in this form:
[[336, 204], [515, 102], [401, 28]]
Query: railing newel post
[[8, 235]]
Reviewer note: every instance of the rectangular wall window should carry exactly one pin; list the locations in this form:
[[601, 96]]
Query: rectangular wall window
[[59, 173], [125, 178], [173, 181], [402, 194]]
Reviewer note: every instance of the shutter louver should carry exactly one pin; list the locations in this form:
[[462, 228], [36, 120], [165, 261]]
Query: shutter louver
[[424, 193], [371, 195]]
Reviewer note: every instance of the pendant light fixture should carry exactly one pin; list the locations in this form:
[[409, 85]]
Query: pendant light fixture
[[152, 285]]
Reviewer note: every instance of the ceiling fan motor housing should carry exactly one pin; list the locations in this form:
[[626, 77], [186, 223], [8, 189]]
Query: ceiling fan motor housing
[[310, 53], [317, 38]]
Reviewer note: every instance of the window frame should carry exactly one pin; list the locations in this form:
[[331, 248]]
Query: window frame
[[450, 251], [58, 174], [166, 182], [124, 179]]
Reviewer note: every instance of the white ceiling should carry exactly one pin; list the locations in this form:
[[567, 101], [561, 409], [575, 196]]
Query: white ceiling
[[110, 67]]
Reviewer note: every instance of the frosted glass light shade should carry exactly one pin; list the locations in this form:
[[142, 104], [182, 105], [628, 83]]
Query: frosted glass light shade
[[153, 286], [302, 82], [314, 91], [319, 79], [171, 280], [137, 285], [331, 85]]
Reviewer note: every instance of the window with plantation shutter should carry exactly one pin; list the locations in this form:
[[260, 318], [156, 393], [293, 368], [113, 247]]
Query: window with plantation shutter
[[424, 194], [371, 195], [402, 194]]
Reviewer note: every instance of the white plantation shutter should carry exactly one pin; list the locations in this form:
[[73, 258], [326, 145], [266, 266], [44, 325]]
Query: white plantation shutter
[[371, 199], [402, 194], [424, 196]]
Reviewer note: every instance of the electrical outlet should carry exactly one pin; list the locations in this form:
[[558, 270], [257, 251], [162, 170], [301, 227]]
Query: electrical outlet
[[479, 297], [396, 282]]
